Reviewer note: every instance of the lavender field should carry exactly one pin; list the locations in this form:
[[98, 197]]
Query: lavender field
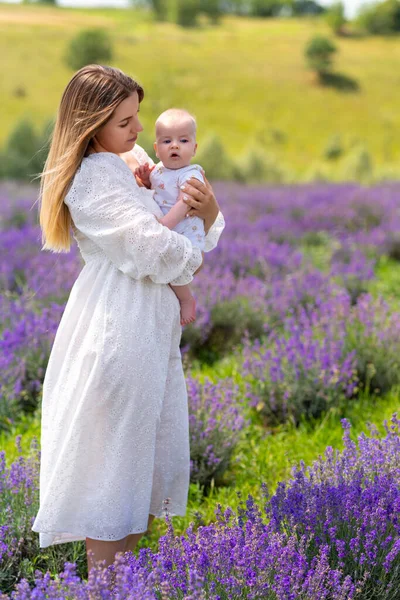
[[298, 331]]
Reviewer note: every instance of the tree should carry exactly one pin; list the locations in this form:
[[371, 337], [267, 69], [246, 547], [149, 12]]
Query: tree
[[265, 8], [381, 18], [318, 54], [184, 12], [336, 18], [212, 8], [159, 9], [87, 47], [301, 8]]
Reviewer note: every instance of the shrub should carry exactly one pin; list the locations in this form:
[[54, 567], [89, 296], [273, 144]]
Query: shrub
[[184, 12], [304, 370], [318, 53], [352, 269], [229, 320], [212, 8], [335, 17], [25, 152], [358, 165], [159, 9], [215, 423], [256, 166], [332, 531], [334, 148], [373, 332], [215, 161], [87, 47], [265, 8]]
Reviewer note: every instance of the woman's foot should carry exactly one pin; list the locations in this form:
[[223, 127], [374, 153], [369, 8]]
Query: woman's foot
[[188, 311]]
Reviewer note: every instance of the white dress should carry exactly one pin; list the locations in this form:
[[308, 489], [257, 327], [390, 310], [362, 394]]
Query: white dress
[[114, 431]]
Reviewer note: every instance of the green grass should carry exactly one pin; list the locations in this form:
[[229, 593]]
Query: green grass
[[387, 282], [245, 79]]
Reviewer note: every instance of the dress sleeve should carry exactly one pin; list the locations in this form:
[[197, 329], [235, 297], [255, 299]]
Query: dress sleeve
[[142, 156], [214, 233], [104, 202]]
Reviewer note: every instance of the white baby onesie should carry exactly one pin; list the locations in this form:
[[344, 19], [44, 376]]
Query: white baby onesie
[[166, 185]]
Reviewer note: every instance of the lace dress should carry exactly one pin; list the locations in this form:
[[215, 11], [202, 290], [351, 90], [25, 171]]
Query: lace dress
[[114, 431]]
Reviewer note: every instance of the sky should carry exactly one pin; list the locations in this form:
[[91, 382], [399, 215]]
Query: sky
[[351, 6]]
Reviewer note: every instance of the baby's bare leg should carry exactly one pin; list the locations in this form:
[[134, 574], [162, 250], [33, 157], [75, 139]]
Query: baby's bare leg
[[187, 302]]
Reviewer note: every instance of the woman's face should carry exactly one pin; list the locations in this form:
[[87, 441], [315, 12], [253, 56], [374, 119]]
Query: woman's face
[[120, 133]]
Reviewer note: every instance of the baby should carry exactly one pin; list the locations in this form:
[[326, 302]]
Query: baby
[[175, 146]]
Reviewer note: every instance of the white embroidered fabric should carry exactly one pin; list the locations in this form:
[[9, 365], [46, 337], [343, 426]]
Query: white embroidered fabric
[[114, 431]]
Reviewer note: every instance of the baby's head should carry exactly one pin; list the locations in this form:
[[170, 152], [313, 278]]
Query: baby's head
[[175, 138]]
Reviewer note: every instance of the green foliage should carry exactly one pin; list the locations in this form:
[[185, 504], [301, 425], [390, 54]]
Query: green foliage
[[318, 54], [302, 393], [335, 17], [334, 148], [382, 18], [265, 8], [211, 8], [89, 46], [215, 161], [306, 7], [184, 12], [159, 9], [229, 321], [256, 167], [378, 363], [358, 165], [25, 152]]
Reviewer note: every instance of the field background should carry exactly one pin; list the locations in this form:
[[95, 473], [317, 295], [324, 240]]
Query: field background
[[245, 79]]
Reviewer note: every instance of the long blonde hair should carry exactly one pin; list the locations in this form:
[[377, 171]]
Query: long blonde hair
[[87, 103]]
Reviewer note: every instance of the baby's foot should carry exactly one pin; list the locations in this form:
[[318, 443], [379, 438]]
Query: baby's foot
[[188, 311]]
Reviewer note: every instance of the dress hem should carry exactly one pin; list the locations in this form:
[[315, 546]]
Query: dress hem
[[76, 537]]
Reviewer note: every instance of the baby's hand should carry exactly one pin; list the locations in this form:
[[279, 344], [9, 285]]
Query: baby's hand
[[143, 173]]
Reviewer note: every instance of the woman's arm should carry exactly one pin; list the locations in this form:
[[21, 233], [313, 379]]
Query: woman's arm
[[106, 208]]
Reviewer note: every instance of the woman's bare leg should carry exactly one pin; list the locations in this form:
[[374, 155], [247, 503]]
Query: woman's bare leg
[[107, 550], [103, 550], [133, 538]]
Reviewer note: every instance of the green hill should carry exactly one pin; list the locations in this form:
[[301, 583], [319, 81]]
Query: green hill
[[244, 79]]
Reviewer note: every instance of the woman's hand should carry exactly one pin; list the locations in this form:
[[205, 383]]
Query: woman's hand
[[201, 199]]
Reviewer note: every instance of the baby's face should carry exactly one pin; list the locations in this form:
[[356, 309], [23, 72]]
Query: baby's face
[[176, 143]]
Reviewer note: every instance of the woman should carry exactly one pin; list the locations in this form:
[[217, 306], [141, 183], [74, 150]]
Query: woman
[[114, 437]]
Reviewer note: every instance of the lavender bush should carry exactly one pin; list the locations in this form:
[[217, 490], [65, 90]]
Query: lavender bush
[[326, 353], [26, 336], [305, 369], [331, 532], [215, 423], [261, 273]]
